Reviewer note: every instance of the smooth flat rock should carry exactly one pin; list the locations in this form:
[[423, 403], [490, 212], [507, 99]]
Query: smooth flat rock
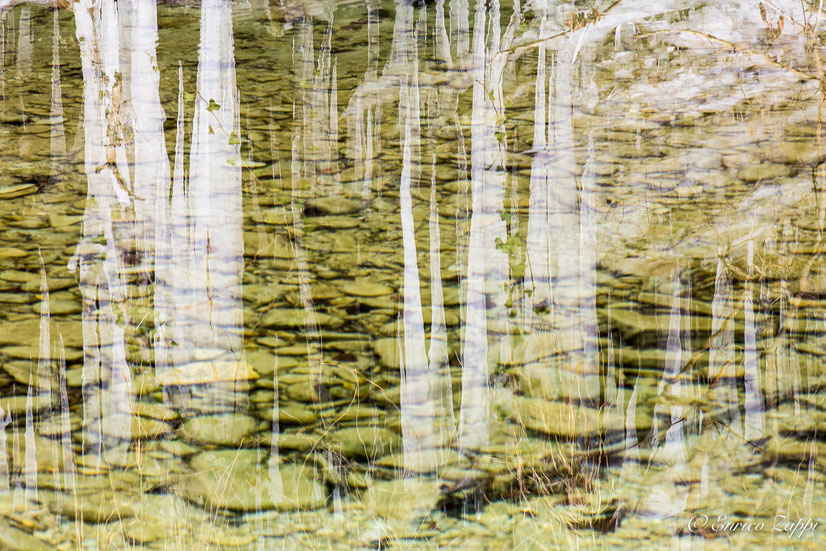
[[32, 352], [17, 190], [557, 418], [306, 392], [294, 318], [27, 332], [389, 352], [205, 372], [633, 323], [543, 344], [366, 288], [403, 499], [33, 453], [60, 307], [153, 410], [12, 252], [247, 485], [19, 405], [223, 430], [13, 539], [363, 442], [99, 506], [278, 216], [423, 461], [262, 361], [287, 441], [763, 171], [332, 205], [226, 458], [291, 414], [128, 427], [332, 222]]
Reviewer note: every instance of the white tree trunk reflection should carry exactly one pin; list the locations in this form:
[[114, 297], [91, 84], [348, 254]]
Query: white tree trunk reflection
[[206, 259], [721, 360], [753, 428], [99, 259], [459, 28], [441, 389], [561, 249], [487, 266], [57, 139], [416, 403], [538, 242]]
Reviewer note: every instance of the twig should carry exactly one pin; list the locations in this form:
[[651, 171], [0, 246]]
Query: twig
[[539, 41], [732, 45]]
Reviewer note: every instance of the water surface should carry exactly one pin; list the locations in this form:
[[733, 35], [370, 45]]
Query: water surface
[[435, 275]]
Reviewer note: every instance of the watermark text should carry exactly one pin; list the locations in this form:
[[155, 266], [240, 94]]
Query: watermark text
[[791, 528]]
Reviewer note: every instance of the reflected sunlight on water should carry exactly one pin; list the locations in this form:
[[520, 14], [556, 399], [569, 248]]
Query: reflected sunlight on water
[[413, 275]]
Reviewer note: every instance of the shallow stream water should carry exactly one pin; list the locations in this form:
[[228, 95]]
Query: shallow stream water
[[413, 275]]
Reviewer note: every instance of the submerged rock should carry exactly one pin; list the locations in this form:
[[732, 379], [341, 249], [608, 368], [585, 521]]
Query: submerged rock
[[223, 430], [26, 331], [17, 190], [366, 288], [262, 361], [287, 441], [226, 458], [289, 318], [796, 152], [403, 499], [32, 351], [543, 344], [423, 461], [764, 171], [307, 392], [127, 427], [332, 223], [363, 442], [144, 532], [19, 405], [99, 506], [291, 414], [558, 418], [244, 483], [29, 453], [389, 352], [332, 205], [13, 539], [227, 369], [12, 252]]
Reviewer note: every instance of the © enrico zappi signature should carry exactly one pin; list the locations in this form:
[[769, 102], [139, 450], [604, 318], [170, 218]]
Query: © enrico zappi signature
[[783, 524]]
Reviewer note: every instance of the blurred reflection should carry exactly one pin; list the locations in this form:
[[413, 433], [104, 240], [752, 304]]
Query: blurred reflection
[[417, 407], [308, 138], [102, 258], [58, 134], [202, 342], [486, 264], [25, 42], [753, 429]]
